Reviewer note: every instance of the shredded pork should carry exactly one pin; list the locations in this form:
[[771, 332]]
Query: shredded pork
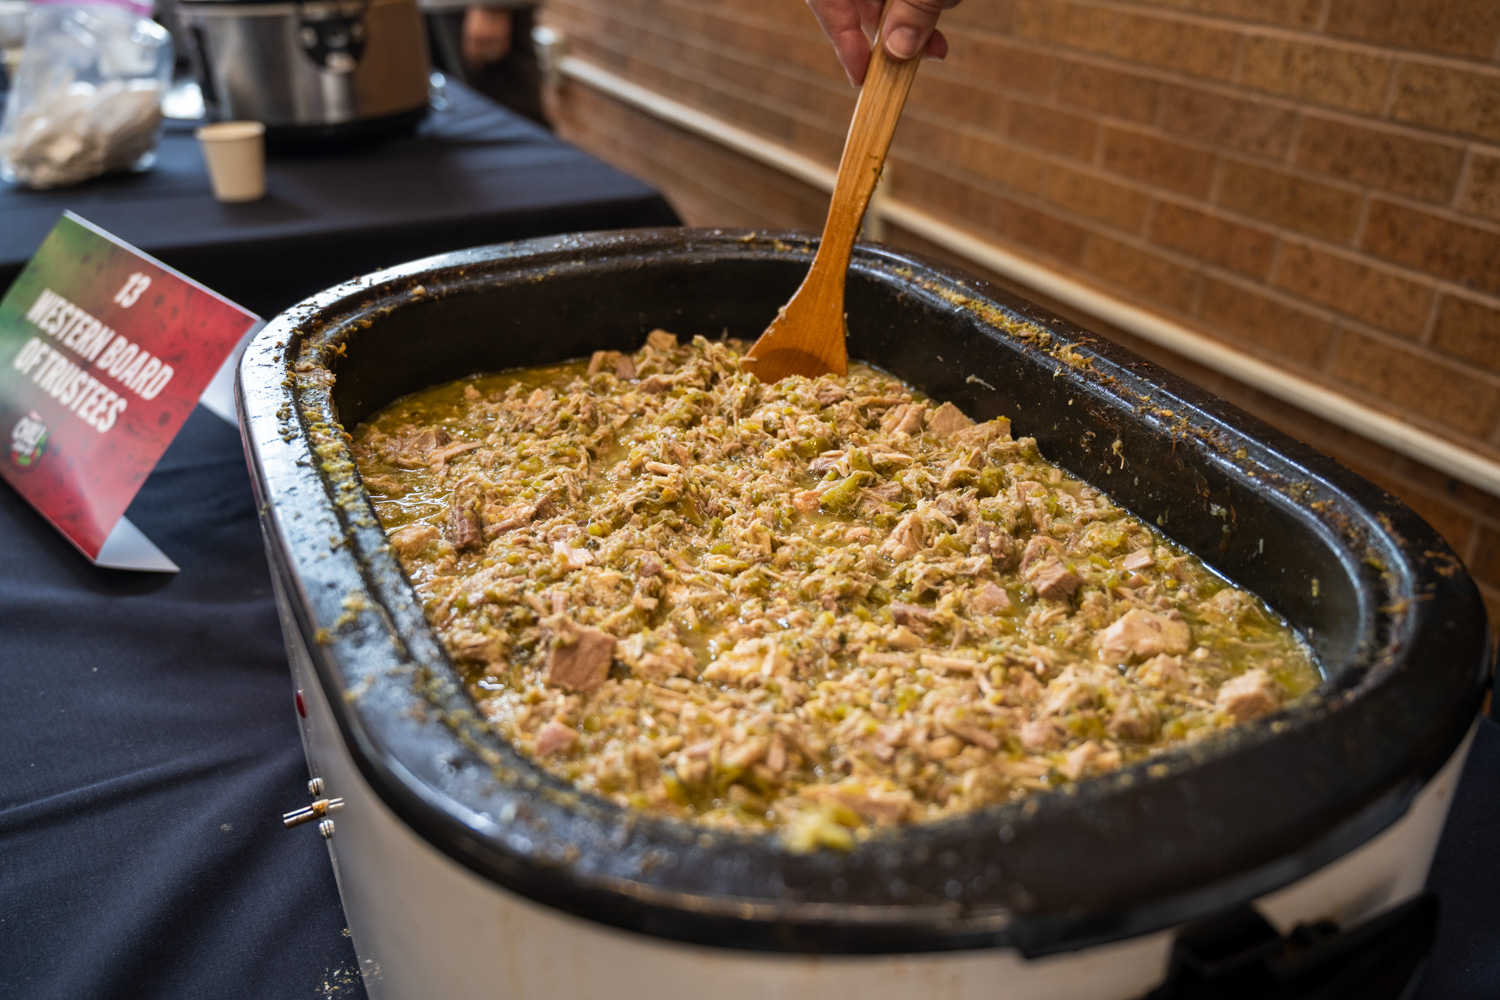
[[817, 607]]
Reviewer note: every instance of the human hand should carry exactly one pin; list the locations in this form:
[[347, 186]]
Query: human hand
[[910, 29], [486, 35]]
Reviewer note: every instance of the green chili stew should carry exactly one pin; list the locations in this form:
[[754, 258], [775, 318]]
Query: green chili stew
[[817, 607]]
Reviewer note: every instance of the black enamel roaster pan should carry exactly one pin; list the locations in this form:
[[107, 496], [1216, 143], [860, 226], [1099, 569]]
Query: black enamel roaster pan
[[1394, 620]]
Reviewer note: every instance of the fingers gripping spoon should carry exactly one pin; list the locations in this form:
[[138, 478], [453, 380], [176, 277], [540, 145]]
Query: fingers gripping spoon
[[807, 336]]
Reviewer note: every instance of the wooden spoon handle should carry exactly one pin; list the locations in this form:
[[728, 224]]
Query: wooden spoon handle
[[807, 336], [887, 82]]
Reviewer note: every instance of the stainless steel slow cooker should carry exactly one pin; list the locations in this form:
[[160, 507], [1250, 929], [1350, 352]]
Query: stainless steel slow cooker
[[466, 871], [310, 69]]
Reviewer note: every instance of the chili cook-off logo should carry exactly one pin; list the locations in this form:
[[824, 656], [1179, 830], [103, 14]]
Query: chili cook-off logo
[[28, 440]]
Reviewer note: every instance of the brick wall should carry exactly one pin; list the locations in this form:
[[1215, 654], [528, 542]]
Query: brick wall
[[1313, 181]]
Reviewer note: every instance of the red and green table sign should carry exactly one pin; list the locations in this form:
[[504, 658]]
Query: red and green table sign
[[104, 352]]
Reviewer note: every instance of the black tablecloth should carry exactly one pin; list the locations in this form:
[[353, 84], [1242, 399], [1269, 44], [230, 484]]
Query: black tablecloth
[[148, 746], [471, 175]]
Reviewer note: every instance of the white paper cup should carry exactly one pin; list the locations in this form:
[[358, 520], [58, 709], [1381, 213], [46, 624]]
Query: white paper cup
[[236, 155]]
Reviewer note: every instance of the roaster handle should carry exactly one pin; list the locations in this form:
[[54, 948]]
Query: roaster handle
[[1241, 955]]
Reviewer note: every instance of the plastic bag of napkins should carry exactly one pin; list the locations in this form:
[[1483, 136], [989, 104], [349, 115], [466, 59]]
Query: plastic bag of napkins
[[86, 99]]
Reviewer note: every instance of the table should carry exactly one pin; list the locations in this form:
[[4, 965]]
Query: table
[[147, 736], [148, 743], [472, 175]]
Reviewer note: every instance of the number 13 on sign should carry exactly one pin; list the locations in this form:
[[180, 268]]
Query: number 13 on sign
[[132, 289]]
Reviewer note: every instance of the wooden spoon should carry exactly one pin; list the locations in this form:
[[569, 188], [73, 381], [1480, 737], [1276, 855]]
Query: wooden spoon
[[807, 335]]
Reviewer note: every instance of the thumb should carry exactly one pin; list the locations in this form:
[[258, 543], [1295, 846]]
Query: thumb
[[910, 25]]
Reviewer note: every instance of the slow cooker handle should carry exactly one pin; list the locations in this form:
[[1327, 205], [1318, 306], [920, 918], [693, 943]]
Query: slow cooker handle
[[1239, 954], [336, 41]]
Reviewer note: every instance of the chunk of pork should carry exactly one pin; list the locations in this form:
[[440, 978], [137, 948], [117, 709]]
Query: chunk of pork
[[415, 450], [904, 419], [988, 599], [1053, 580], [1143, 635], [555, 736], [1039, 548], [410, 539], [580, 657], [907, 539], [1249, 696], [947, 420], [465, 525], [661, 340]]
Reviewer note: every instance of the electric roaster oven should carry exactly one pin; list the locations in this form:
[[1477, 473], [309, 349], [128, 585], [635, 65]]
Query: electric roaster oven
[[1283, 857]]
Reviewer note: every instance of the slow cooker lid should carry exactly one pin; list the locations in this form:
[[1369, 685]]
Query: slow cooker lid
[[1153, 845]]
